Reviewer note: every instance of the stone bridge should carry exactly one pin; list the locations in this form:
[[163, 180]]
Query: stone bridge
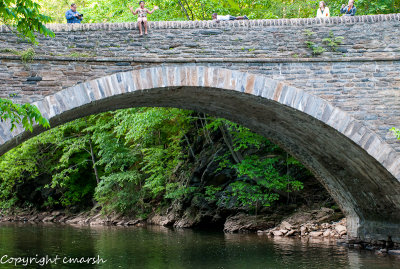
[[332, 111]]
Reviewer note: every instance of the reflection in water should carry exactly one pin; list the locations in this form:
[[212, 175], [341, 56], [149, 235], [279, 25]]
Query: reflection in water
[[354, 260], [159, 247]]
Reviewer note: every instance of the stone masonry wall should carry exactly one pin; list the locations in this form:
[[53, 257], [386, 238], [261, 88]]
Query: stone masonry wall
[[361, 77]]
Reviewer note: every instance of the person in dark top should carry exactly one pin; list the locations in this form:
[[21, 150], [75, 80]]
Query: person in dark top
[[73, 16], [349, 10]]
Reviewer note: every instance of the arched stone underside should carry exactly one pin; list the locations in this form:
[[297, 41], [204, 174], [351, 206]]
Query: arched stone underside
[[360, 171]]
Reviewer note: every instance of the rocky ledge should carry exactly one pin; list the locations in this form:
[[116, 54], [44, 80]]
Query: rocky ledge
[[83, 218], [316, 223], [188, 218], [335, 230], [323, 223]]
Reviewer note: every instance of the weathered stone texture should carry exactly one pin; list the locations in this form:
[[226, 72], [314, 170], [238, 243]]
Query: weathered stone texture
[[364, 80], [247, 39]]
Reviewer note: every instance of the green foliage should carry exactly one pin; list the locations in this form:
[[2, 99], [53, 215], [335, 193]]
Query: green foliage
[[133, 160], [81, 55], [25, 114], [178, 191], [140, 150], [258, 177], [243, 138], [157, 167], [157, 137], [28, 55], [396, 132], [315, 48], [211, 193], [8, 50], [251, 195], [24, 16], [266, 179], [24, 163], [308, 33], [120, 192], [333, 42], [118, 11]]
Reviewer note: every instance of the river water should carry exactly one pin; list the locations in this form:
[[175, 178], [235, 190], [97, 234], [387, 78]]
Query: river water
[[159, 247]]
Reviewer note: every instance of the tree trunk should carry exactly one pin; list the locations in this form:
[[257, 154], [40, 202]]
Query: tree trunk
[[93, 160], [188, 7], [184, 10], [205, 131], [190, 147], [228, 141]]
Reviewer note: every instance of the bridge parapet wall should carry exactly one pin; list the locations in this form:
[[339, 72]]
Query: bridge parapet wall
[[363, 36]]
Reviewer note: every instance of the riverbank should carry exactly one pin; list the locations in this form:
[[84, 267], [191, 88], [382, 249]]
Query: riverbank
[[239, 222], [323, 223]]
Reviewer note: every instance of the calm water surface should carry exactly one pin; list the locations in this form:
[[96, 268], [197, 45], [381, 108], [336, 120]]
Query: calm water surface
[[158, 247]]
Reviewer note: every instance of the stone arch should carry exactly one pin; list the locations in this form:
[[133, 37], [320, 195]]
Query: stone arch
[[359, 169]]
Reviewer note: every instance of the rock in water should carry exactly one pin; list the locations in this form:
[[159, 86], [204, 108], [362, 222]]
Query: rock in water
[[340, 229], [283, 231], [327, 233], [303, 230], [315, 234], [291, 232], [394, 252], [244, 222], [286, 225], [277, 233]]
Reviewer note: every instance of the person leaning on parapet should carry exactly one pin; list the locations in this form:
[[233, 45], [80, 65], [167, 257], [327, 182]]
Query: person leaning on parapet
[[142, 16], [219, 18], [73, 16], [349, 10], [323, 10]]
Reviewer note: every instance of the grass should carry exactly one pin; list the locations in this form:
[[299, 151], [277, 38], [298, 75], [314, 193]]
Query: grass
[[80, 55], [27, 55], [8, 50]]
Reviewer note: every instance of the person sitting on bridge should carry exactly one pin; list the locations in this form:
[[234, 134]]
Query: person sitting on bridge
[[349, 10], [73, 16], [323, 10], [219, 18], [142, 16]]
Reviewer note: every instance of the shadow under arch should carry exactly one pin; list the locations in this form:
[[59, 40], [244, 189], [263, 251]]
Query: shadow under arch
[[358, 169]]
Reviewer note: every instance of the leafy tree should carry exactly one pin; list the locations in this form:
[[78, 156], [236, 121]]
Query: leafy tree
[[19, 166], [260, 177], [118, 11], [157, 136], [134, 160], [25, 114], [25, 16], [73, 142]]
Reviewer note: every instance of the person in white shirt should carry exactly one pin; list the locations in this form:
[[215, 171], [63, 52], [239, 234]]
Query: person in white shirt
[[323, 10], [218, 18]]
